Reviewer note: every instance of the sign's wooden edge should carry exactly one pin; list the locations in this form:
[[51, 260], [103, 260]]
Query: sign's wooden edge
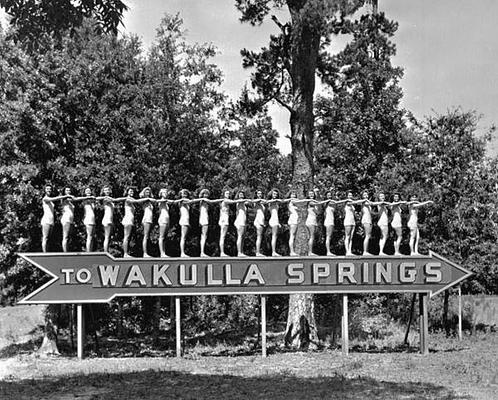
[[219, 294], [27, 257], [54, 279]]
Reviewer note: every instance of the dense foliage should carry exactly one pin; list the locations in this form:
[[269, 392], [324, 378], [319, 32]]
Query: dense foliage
[[90, 109]]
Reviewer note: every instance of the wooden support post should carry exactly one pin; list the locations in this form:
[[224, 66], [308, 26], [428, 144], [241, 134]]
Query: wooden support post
[[345, 325], [178, 327], [460, 334], [423, 323], [80, 322], [263, 325]]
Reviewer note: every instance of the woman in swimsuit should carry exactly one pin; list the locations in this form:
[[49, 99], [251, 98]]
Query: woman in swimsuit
[[382, 222], [273, 205], [146, 194], [311, 220], [163, 219], [366, 220], [259, 220], [329, 221], [292, 221], [395, 207], [184, 222], [204, 217], [413, 206], [108, 219], [224, 219], [89, 218], [129, 216], [349, 222], [67, 217], [240, 221], [48, 218]]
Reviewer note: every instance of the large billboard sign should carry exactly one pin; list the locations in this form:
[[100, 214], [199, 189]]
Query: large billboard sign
[[99, 277]]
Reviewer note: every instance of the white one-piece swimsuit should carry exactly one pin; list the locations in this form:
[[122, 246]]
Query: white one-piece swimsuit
[[293, 215], [329, 215], [383, 221], [349, 215], [311, 218], [129, 213], [203, 214], [184, 215], [224, 210], [366, 213], [89, 207], [148, 211], [259, 219], [274, 222], [48, 213], [163, 213], [396, 222]]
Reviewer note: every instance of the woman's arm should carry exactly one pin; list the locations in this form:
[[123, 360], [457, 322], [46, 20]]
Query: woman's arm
[[299, 202], [117, 199], [425, 203], [57, 198], [83, 198]]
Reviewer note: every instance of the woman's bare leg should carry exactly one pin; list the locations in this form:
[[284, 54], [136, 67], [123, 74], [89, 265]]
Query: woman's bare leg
[[240, 239], [348, 234], [66, 229], [126, 239], [417, 238], [183, 239], [90, 229], [46, 230], [368, 235], [145, 239], [107, 237], [223, 233], [274, 234], [204, 233], [329, 231], [163, 228], [384, 230], [259, 237], [311, 240], [397, 242], [292, 238]]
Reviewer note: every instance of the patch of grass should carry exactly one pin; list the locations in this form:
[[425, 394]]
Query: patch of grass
[[169, 384]]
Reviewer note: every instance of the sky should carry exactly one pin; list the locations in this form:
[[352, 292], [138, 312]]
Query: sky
[[448, 49]]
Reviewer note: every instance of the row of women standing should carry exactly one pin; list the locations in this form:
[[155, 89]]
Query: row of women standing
[[380, 208]]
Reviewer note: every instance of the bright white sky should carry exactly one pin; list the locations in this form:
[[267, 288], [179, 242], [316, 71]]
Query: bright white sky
[[448, 49]]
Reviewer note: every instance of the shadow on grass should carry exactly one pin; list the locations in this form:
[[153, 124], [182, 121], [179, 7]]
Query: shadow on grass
[[15, 349], [165, 385]]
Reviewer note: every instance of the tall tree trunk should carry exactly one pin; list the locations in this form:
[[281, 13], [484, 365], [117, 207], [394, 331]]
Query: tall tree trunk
[[301, 331], [49, 343]]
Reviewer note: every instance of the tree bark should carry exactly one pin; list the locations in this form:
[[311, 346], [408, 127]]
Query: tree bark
[[301, 331], [49, 343]]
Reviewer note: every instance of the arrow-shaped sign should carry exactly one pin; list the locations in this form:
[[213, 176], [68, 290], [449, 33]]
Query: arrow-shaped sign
[[99, 277]]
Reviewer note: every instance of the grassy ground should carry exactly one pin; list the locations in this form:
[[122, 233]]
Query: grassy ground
[[452, 370]]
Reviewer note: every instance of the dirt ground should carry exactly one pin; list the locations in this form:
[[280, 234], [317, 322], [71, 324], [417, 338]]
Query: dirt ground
[[452, 370]]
